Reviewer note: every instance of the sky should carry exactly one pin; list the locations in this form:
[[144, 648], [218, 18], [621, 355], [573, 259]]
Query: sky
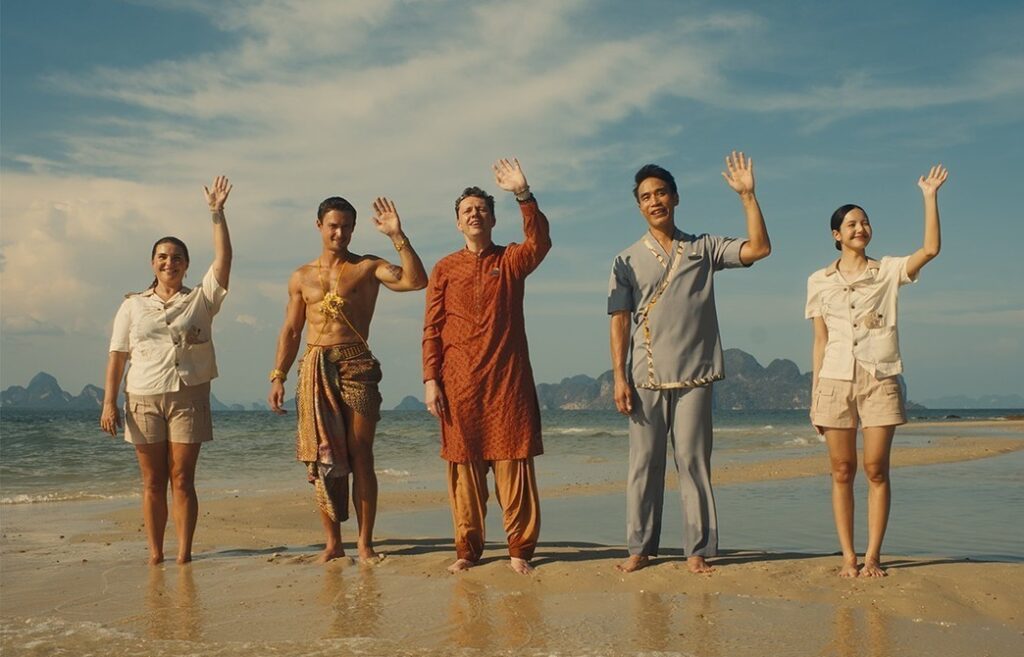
[[114, 114]]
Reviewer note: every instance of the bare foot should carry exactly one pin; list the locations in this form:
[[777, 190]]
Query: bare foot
[[184, 558], [872, 568], [368, 555], [156, 558], [697, 564], [460, 565], [849, 568], [634, 562], [521, 566], [330, 553], [372, 561]]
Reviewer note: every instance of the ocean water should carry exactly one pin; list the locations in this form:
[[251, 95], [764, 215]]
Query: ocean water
[[57, 456]]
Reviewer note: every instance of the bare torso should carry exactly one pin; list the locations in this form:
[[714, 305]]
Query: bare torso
[[358, 287]]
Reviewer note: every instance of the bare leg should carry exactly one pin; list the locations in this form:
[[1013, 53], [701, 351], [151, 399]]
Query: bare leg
[[154, 468], [634, 562], [842, 453], [697, 564], [333, 548], [182, 459], [877, 446], [360, 431]]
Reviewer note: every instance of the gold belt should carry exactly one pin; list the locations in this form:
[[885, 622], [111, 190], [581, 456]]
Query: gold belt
[[340, 352]]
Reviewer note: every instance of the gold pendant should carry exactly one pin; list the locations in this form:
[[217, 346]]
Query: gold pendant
[[331, 306]]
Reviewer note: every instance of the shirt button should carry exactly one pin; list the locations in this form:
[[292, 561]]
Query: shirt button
[[854, 344], [854, 326], [851, 305], [176, 362]]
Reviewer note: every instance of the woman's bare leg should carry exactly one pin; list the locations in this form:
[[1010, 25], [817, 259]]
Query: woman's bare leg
[[154, 468], [877, 447], [842, 453]]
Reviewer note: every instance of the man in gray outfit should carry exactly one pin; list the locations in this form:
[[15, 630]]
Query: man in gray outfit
[[664, 325]]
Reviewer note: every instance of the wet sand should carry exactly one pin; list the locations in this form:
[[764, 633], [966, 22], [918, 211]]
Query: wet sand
[[74, 580]]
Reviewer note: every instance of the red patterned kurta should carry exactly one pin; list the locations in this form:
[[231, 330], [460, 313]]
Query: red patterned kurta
[[474, 344]]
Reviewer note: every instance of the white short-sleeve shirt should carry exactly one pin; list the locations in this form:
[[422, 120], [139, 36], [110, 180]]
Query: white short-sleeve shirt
[[169, 342], [860, 316]]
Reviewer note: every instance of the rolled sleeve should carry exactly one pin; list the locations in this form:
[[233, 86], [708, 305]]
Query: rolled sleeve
[[898, 269], [725, 252], [620, 288], [120, 338], [213, 292]]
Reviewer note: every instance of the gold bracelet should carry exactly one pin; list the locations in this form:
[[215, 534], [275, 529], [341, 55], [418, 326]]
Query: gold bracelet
[[401, 244], [277, 374]]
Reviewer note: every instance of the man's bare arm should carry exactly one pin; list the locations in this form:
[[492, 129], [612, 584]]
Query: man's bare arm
[[410, 275], [288, 341], [740, 178], [623, 394]]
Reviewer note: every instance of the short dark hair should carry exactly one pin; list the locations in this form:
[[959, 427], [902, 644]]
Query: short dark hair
[[653, 171], [477, 193], [335, 203], [839, 215]]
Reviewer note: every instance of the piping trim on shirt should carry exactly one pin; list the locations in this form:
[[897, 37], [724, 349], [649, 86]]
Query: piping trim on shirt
[[645, 322]]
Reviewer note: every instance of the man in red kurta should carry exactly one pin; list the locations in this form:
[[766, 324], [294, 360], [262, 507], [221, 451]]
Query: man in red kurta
[[477, 375]]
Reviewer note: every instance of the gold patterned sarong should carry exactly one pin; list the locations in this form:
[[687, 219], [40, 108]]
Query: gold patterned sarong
[[330, 379]]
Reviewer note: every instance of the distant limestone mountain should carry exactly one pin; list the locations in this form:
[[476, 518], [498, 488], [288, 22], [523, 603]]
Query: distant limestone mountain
[[42, 392], [410, 403], [747, 386]]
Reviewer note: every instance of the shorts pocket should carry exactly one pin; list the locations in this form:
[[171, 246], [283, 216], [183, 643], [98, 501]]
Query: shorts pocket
[[197, 420], [822, 399], [144, 417]]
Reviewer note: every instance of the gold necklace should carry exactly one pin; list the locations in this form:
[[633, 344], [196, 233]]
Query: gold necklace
[[332, 304]]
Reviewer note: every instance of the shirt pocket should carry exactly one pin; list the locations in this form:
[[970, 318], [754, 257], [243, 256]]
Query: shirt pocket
[[884, 344]]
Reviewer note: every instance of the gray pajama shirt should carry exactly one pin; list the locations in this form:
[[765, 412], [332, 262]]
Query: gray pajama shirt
[[675, 356]]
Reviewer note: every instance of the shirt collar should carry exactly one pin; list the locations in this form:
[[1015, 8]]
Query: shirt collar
[[151, 292], [872, 267]]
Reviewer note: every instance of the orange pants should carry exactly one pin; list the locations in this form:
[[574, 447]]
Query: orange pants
[[515, 485]]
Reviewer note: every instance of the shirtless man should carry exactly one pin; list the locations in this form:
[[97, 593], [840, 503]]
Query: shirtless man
[[337, 399]]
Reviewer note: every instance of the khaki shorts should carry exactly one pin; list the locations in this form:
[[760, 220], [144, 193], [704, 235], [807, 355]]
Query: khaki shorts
[[178, 417], [875, 402]]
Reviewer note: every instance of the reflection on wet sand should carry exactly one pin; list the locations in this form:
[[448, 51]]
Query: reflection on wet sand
[[486, 618], [468, 615], [859, 633], [173, 614], [353, 604]]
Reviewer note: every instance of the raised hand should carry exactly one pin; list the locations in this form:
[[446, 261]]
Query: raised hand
[[508, 175], [385, 217], [217, 193], [740, 174], [936, 176]]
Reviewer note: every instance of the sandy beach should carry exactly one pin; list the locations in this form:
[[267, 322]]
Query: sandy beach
[[75, 582]]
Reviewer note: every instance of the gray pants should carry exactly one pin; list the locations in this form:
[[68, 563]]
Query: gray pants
[[684, 415]]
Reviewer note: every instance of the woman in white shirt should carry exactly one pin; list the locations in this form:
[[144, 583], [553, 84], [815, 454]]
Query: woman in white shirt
[[856, 363], [165, 332]]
